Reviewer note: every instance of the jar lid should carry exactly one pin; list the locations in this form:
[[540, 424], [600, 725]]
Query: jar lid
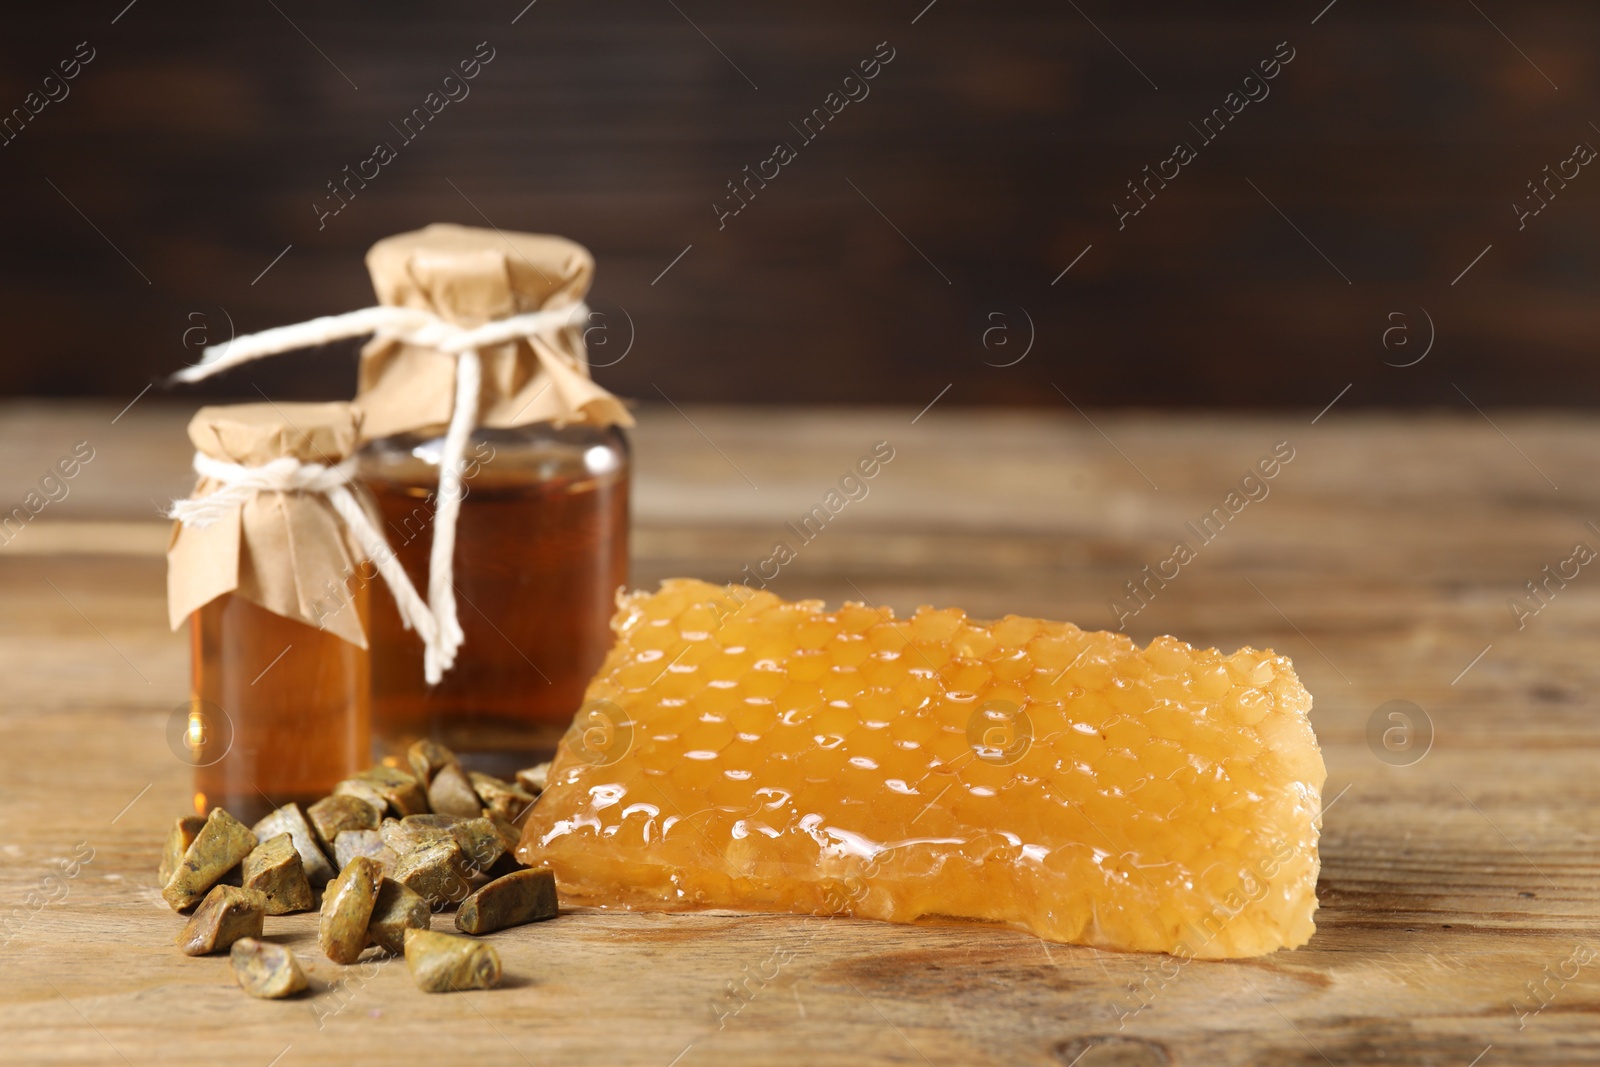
[[470, 276], [289, 551], [253, 434]]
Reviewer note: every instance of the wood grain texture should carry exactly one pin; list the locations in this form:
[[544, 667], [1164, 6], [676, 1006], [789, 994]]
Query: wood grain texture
[[1382, 560]]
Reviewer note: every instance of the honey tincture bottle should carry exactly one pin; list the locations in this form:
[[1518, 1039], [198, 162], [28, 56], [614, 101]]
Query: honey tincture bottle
[[541, 537], [270, 580]]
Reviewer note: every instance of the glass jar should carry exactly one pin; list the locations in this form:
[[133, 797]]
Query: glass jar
[[279, 710], [541, 549]]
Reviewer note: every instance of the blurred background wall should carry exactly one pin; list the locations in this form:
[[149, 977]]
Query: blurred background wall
[[1378, 192]]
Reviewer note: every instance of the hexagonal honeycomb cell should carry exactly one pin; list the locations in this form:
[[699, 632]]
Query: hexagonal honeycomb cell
[[740, 751]]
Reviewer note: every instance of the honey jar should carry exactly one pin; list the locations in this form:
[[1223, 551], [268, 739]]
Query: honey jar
[[533, 526], [501, 472], [265, 568]]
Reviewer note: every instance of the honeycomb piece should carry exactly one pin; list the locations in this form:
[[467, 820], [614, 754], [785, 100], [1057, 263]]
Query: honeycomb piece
[[739, 751]]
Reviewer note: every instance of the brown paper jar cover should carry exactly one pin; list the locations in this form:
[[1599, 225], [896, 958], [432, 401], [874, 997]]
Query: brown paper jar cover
[[289, 552], [470, 276]]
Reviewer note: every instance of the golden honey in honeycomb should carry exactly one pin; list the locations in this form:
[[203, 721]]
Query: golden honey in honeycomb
[[739, 751]]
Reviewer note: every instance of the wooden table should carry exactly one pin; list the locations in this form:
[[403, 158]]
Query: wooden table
[[1458, 890]]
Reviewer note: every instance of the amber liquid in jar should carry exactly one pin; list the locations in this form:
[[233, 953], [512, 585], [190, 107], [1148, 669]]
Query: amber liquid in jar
[[541, 549], [279, 710]]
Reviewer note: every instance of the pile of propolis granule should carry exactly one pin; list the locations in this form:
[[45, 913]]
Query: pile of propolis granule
[[740, 751], [386, 850]]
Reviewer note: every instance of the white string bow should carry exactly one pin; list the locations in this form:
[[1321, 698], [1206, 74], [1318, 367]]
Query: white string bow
[[414, 326], [238, 484]]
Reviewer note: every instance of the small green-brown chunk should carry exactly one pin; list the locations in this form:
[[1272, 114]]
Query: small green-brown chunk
[[507, 829], [437, 872], [398, 909], [400, 790], [179, 838], [352, 843], [525, 896], [331, 816], [415, 831], [535, 778], [362, 789], [510, 802], [427, 758], [481, 843], [219, 846], [265, 970], [227, 914], [511, 837], [274, 869], [347, 906], [290, 820], [450, 793], [445, 963], [370, 843]]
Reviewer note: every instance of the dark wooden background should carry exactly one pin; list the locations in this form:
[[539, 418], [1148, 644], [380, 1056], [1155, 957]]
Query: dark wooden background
[[192, 148]]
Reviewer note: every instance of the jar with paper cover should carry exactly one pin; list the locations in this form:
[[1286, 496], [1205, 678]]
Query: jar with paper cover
[[502, 474], [264, 565]]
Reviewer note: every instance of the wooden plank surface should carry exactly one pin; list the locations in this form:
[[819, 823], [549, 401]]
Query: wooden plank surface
[[1459, 892]]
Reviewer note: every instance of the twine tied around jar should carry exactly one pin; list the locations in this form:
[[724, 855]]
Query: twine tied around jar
[[422, 328], [238, 483]]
